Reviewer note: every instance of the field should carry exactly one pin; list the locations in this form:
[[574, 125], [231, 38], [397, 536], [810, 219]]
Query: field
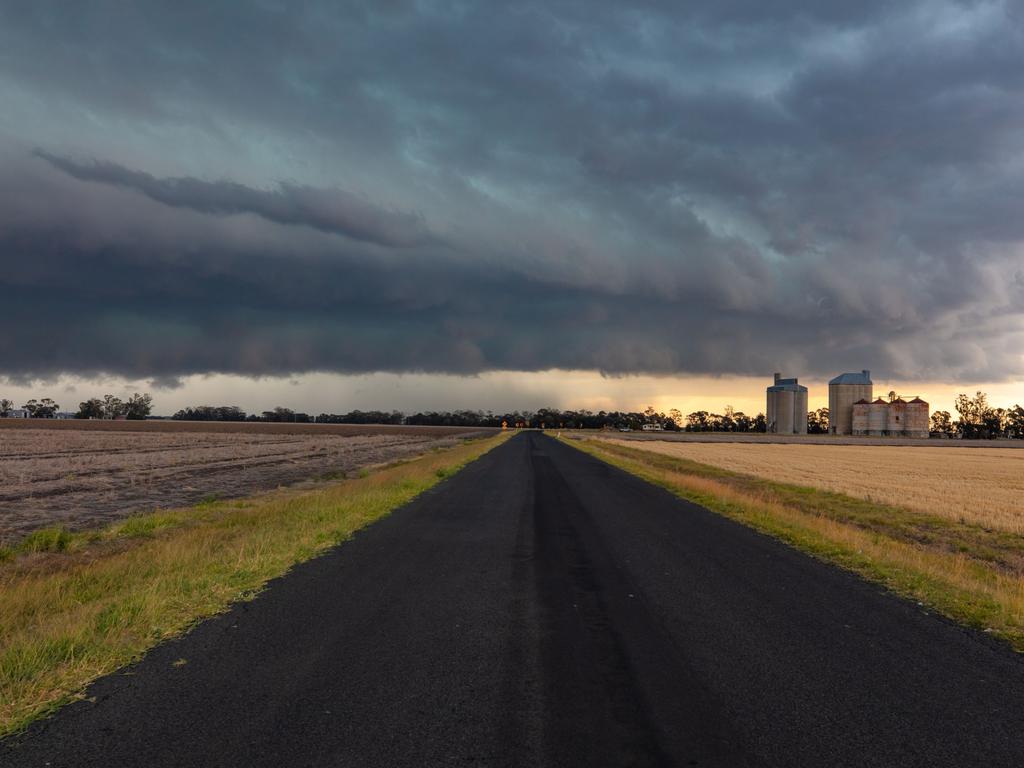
[[82, 474], [976, 485]]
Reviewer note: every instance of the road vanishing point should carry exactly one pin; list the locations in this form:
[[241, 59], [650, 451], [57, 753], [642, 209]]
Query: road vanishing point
[[542, 608]]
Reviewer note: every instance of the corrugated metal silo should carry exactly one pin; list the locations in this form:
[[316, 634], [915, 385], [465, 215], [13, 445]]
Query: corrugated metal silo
[[860, 417], [897, 421], [917, 418], [843, 391], [878, 417]]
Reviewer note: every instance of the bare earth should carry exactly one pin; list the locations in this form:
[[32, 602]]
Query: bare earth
[[90, 473], [975, 484]]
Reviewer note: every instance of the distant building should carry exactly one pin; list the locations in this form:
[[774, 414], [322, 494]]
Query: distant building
[[895, 418], [843, 391], [652, 428], [786, 413], [18, 413]]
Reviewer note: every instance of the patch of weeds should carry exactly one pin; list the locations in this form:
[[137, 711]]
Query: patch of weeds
[[208, 501], [6, 553], [443, 472], [47, 540], [364, 473]]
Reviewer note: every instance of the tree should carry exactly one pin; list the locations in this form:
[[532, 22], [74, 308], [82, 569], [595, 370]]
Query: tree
[[975, 416], [817, 422], [6, 406], [112, 407], [942, 423], [139, 406], [1015, 422], [698, 421], [90, 409], [41, 409]]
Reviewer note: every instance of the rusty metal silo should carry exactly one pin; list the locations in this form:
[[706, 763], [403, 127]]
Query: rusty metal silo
[[861, 409], [878, 417]]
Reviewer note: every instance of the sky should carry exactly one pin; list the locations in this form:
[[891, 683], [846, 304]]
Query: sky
[[586, 203]]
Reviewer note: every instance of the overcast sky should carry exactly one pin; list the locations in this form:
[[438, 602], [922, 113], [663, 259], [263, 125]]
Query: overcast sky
[[318, 190]]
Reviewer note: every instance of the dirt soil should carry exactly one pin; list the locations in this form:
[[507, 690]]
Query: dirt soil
[[82, 478]]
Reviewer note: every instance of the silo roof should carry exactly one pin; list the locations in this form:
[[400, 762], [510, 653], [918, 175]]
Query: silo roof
[[861, 377], [787, 385]]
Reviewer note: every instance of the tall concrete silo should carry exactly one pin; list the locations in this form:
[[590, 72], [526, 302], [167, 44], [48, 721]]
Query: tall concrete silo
[[843, 391], [786, 413]]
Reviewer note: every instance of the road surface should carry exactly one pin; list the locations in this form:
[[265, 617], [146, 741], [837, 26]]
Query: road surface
[[543, 609]]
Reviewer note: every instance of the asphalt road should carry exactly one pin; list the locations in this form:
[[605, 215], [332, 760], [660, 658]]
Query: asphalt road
[[544, 609]]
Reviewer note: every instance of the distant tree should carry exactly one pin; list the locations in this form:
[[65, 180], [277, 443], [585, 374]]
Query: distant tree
[[41, 409], [210, 413], [139, 406], [1015, 422], [6, 406], [676, 416], [760, 423], [941, 423], [113, 407], [975, 416], [817, 422], [90, 409], [698, 421]]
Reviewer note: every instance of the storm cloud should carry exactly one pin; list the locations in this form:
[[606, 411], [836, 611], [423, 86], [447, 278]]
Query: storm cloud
[[723, 187]]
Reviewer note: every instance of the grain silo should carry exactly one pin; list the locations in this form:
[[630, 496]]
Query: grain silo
[[917, 418], [897, 420], [786, 413], [878, 417], [843, 391], [861, 420]]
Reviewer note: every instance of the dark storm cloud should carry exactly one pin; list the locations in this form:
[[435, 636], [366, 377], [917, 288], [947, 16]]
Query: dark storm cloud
[[333, 211], [727, 187]]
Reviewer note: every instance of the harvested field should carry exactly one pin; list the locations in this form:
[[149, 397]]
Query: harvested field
[[984, 486], [86, 476]]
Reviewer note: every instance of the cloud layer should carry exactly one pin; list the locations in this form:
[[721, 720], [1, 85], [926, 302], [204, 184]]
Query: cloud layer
[[737, 187]]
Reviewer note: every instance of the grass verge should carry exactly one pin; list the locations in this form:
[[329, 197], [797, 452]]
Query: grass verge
[[74, 606], [967, 572]]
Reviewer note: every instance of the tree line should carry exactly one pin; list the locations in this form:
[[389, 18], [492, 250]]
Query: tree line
[[138, 406], [977, 418]]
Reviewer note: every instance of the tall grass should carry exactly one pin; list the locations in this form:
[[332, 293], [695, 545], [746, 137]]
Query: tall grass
[[76, 606], [970, 574]]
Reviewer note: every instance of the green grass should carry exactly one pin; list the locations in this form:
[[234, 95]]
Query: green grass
[[967, 572], [74, 606]]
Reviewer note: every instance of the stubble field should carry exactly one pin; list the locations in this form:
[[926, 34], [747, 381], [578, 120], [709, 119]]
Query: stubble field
[[984, 486], [84, 474]]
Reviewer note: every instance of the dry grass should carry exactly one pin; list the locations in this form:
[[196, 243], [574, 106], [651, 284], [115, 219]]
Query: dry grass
[[969, 573], [83, 605], [975, 485]]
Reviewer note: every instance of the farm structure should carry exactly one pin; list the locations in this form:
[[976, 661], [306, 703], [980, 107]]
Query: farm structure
[[852, 410], [786, 413], [843, 391], [895, 418]]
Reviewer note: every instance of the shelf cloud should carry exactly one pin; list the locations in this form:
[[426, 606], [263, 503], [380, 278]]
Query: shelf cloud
[[726, 188]]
